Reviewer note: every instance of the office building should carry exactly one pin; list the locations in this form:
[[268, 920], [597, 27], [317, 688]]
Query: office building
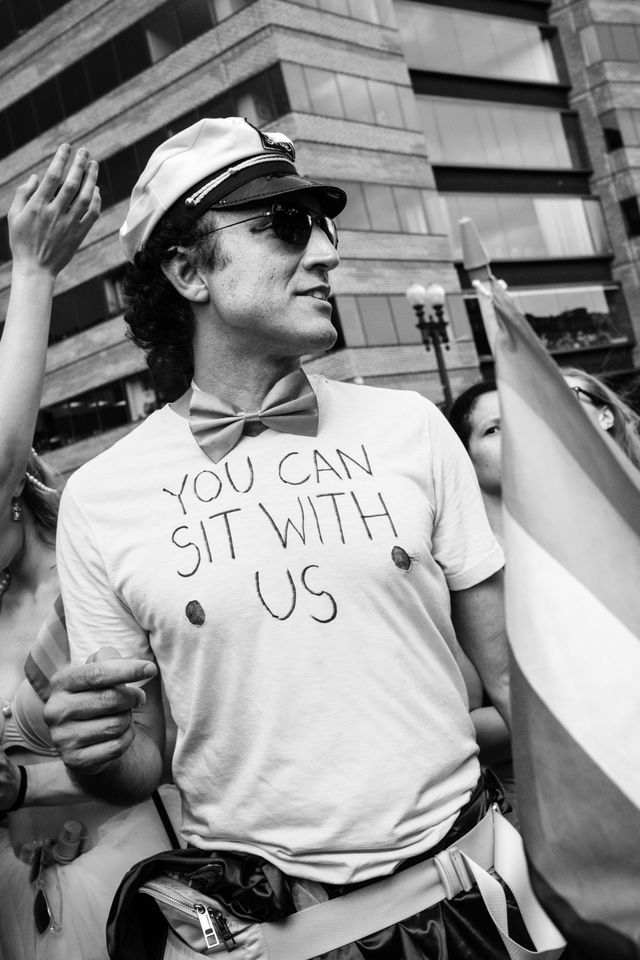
[[424, 111]]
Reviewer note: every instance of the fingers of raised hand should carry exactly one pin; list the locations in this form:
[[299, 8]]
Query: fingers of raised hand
[[73, 179], [67, 188], [93, 210], [54, 174], [23, 193]]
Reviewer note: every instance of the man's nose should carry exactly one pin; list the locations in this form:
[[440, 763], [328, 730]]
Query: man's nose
[[320, 250]]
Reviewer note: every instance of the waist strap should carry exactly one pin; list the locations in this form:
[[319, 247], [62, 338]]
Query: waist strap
[[492, 842]]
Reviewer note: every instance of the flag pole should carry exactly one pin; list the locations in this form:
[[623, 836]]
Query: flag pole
[[477, 263]]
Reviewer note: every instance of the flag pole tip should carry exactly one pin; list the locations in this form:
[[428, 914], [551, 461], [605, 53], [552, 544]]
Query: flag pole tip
[[474, 254]]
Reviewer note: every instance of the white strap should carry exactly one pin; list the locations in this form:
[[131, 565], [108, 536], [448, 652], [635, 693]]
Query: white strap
[[492, 842], [329, 925], [509, 862]]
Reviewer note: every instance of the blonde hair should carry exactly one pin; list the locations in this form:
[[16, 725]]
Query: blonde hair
[[625, 429]]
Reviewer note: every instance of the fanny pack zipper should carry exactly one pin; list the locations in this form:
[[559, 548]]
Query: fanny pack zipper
[[213, 924]]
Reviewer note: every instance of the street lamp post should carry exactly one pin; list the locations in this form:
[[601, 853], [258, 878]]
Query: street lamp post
[[434, 330]]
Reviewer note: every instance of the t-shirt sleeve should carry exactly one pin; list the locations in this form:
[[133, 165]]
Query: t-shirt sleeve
[[463, 543], [95, 616]]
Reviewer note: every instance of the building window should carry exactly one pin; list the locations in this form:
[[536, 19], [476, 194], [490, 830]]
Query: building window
[[482, 45], [16, 16], [371, 11], [119, 59], [261, 100], [47, 104], [118, 175], [621, 128], [374, 206], [74, 88], [525, 228], [93, 412], [631, 214], [611, 41], [162, 32], [368, 321], [86, 305], [312, 90], [355, 96], [195, 19], [566, 319], [491, 134], [85, 415], [22, 123]]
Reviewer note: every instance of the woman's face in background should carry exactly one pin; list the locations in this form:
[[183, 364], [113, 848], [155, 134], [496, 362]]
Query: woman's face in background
[[599, 413], [485, 442]]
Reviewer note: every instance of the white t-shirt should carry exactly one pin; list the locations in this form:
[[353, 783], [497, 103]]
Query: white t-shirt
[[296, 598]]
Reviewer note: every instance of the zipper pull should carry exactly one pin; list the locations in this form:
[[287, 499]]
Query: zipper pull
[[207, 923], [214, 927], [223, 928]]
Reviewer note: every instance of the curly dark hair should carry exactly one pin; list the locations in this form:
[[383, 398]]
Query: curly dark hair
[[160, 320], [462, 408]]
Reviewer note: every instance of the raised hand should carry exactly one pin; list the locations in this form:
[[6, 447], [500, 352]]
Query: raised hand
[[50, 217]]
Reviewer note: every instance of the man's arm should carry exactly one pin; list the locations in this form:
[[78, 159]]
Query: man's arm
[[492, 735], [110, 734], [478, 619]]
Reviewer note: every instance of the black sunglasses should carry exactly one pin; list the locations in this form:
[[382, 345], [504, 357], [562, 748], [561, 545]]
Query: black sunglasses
[[591, 397], [291, 224]]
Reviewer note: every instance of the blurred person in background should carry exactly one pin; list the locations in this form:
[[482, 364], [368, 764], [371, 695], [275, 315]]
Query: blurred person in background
[[607, 409], [49, 908], [475, 417]]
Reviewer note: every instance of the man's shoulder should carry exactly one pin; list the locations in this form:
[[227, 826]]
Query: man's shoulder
[[113, 466], [369, 396]]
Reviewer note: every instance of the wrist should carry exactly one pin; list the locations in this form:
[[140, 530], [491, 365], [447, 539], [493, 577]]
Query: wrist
[[21, 790], [33, 271]]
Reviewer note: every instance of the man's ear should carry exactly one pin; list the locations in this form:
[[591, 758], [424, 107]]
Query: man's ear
[[605, 416], [186, 278]]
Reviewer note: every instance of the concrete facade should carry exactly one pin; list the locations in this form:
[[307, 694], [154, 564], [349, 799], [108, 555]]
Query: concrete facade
[[599, 88], [383, 263]]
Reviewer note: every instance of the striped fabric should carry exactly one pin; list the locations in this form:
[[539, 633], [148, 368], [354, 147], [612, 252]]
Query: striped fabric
[[49, 653], [572, 545]]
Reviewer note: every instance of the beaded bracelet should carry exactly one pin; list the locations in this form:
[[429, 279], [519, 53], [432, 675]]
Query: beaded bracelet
[[22, 791]]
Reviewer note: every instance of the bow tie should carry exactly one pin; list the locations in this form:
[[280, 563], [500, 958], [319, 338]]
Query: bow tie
[[290, 407]]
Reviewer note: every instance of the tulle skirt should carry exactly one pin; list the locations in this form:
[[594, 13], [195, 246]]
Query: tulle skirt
[[79, 893]]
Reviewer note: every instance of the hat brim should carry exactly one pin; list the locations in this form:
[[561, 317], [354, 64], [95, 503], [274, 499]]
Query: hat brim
[[332, 199]]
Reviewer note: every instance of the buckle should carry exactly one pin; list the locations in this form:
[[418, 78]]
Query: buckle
[[453, 871]]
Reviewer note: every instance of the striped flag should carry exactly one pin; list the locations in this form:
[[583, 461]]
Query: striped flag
[[49, 653], [572, 545]]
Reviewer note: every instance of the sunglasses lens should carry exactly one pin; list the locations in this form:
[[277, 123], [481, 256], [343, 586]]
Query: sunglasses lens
[[292, 225], [41, 913], [330, 229]]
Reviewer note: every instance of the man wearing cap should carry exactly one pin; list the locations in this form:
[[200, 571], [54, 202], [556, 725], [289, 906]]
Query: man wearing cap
[[295, 554]]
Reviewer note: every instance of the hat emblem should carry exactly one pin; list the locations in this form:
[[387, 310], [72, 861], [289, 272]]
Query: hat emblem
[[278, 143]]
